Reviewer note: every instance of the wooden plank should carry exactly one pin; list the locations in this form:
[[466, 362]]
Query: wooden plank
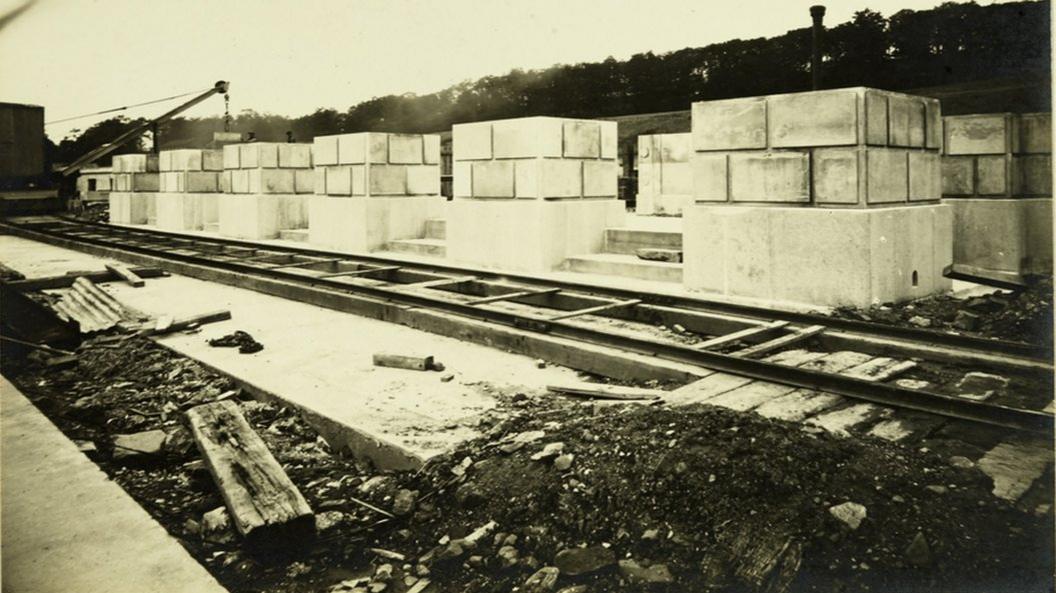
[[186, 322], [400, 361], [880, 369], [513, 295], [265, 506], [437, 282], [602, 391], [739, 335], [362, 272], [596, 309], [125, 274], [781, 342], [67, 280], [302, 264]]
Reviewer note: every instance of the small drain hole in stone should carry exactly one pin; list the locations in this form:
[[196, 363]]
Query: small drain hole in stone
[[914, 278]]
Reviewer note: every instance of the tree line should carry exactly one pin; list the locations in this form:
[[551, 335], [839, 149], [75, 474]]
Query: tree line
[[952, 43]]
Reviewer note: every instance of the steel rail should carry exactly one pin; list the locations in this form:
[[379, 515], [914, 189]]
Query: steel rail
[[878, 393], [696, 304]]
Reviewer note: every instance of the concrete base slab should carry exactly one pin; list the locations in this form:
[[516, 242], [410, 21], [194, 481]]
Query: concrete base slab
[[183, 211], [261, 216], [818, 256], [627, 266], [1003, 236], [130, 207], [68, 527], [363, 224], [667, 205], [527, 235]]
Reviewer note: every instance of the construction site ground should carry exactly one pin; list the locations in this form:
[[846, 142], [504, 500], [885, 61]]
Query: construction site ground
[[521, 489]]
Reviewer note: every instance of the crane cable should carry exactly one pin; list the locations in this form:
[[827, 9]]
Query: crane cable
[[105, 111]]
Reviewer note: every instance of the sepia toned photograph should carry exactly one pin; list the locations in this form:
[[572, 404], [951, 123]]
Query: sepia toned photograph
[[550, 296]]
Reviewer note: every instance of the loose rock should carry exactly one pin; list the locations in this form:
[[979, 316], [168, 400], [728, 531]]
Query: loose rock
[[850, 513], [636, 573], [544, 579], [577, 561]]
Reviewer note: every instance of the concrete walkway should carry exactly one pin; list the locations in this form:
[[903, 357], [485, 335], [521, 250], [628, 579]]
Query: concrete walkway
[[67, 527]]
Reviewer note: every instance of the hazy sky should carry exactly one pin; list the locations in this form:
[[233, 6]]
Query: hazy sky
[[290, 57]]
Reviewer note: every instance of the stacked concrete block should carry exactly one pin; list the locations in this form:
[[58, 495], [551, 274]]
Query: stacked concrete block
[[135, 182], [839, 190], [530, 192], [665, 176], [997, 177], [189, 186], [372, 188], [266, 187]]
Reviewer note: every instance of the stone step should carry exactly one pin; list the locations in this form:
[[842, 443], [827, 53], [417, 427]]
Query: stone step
[[432, 247], [626, 241], [436, 228], [294, 235], [627, 266]]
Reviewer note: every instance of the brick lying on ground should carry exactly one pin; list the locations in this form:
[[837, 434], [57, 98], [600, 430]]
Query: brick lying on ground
[[265, 506]]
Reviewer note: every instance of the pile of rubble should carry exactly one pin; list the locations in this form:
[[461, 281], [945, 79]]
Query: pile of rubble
[[1024, 315], [558, 495]]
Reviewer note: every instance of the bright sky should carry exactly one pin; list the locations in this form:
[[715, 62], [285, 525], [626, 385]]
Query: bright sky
[[290, 57]]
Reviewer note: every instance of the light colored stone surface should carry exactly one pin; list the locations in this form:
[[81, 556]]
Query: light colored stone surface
[[261, 216], [406, 149], [324, 150], [992, 175], [600, 179], [837, 176], [493, 179], [958, 176], [295, 156], [1035, 133], [710, 177], [905, 117], [665, 175], [732, 124], [177, 211], [888, 175], [582, 139], [1014, 466], [817, 256], [527, 235], [126, 208], [1009, 236], [68, 527], [1032, 175], [471, 141], [271, 181], [977, 134], [925, 176], [875, 117], [363, 224], [821, 118], [387, 180], [769, 177]]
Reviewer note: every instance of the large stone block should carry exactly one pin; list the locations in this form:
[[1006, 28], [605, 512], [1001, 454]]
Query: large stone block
[[609, 140], [259, 216], [178, 211], [352, 149], [992, 175], [184, 159], [527, 235], [977, 134], [304, 180], [601, 178], [387, 180], [213, 160], [1010, 237], [324, 150], [423, 180], [239, 181], [815, 256], [906, 121], [232, 156], [129, 163], [1035, 133], [769, 177], [838, 176], [822, 118], [431, 149], [582, 139], [528, 137], [958, 175], [295, 156], [676, 178], [129, 207], [493, 179], [462, 179], [710, 177], [271, 181], [729, 125], [406, 149], [471, 141], [932, 124], [367, 224], [925, 176], [1032, 175], [888, 176], [875, 117], [675, 148], [339, 181]]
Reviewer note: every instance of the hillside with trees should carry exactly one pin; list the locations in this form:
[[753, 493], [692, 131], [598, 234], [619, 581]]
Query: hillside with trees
[[952, 44]]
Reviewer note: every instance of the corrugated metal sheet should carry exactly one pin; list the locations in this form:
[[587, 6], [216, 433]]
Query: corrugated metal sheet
[[91, 307]]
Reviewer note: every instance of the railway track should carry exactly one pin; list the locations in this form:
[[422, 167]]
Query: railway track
[[749, 357]]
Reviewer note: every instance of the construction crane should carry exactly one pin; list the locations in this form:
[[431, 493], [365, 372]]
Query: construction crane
[[220, 88]]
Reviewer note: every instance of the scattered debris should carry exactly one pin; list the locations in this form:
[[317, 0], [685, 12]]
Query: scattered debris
[[980, 386], [665, 255], [850, 513], [140, 445], [400, 361], [245, 342], [603, 391]]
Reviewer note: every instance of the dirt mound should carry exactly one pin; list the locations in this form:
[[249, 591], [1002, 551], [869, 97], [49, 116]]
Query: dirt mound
[[1022, 316], [718, 500]]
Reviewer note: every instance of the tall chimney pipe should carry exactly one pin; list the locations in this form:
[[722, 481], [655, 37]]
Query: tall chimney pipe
[[817, 13]]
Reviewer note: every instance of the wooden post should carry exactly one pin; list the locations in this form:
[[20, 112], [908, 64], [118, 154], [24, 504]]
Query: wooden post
[[265, 506]]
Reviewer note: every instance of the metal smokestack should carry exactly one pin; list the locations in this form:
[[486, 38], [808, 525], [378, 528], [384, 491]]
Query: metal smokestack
[[817, 13]]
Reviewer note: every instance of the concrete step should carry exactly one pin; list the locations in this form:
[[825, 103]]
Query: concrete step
[[436, 228], [294, 235], [628, 266], [431, 247], [626, 241], [211, 227]]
